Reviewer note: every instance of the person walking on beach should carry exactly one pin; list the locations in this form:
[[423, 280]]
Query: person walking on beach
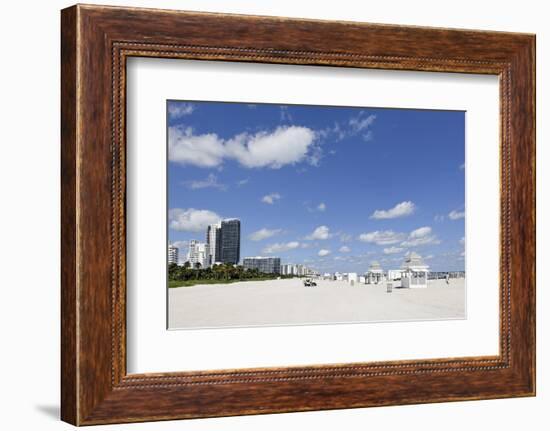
[[447, 278]]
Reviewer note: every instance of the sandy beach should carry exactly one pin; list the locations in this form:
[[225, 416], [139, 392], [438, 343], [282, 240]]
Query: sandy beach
[[289, 302]]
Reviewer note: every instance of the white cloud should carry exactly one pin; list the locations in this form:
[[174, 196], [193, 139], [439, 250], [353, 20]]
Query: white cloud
[[315, 155], [180, 244], [205, 151], [286, 145], [385, 237], [421, 236], [428, 240], [210, 182], [180, 109], [456, 215], [264, 233], [323, 252], [369, 136], [285, 114], [243, 182], [281, 247], [439, 217], [271, 198], [344, 249], [345, 237], [338, 131], [321, 207], [361, 122], [393, 250], [420, 232], [191, 219], [321, 232], [462, 166], [400, 210]]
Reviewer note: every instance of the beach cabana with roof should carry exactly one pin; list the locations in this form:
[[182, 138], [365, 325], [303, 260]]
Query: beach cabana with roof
[[375, 274], [414, 272]]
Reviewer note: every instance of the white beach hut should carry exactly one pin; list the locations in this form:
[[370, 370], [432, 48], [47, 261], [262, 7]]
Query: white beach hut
[[375, 274], [414, 272]]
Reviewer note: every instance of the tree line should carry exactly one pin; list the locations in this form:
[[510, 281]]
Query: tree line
[[224, 271]]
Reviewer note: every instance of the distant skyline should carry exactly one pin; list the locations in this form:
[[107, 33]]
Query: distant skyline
[[333, 188]]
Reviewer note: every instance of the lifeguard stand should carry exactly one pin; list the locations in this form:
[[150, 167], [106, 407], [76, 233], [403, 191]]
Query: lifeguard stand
[[375, 274], [414, 272]]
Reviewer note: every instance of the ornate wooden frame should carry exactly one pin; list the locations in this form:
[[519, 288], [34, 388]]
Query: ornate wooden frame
[[95, 43]]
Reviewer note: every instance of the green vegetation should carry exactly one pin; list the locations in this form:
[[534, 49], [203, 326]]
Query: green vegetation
[[187, 283], [219, 274]]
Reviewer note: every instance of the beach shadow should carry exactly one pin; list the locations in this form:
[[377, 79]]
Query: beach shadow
[[52, 411]]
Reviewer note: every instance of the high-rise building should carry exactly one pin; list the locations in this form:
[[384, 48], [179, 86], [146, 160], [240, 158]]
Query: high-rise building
[[297, 270], [267, 265], [224, 241], [173, 254], [213, 239], [198, 255], [230, 244], [287, 269]]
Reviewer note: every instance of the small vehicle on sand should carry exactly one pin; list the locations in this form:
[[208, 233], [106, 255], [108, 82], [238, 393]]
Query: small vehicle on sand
[[308, 282]]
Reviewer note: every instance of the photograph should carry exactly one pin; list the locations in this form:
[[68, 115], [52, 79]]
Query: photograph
[[284, 214]]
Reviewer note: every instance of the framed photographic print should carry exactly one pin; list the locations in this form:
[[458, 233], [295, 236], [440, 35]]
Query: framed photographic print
[[268, 215]]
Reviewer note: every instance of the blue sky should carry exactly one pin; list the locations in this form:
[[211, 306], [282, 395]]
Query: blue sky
[[334, 188]]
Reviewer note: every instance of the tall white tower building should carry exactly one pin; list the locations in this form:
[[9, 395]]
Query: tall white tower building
[[173, 254], [198, 254], [213, 239]]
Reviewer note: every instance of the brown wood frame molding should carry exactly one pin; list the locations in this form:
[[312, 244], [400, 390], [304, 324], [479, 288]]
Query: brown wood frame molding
[[95, 43]]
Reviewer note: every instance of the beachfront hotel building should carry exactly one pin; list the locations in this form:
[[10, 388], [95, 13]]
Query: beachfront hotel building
[[297, 270], [414, 272], [173, 254], [266, 265], [231, 241], [291, 269], [224, 241], [198, 254], [213, 239]]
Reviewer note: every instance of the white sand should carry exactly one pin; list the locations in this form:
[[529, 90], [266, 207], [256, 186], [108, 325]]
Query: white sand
[[288, 302]]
